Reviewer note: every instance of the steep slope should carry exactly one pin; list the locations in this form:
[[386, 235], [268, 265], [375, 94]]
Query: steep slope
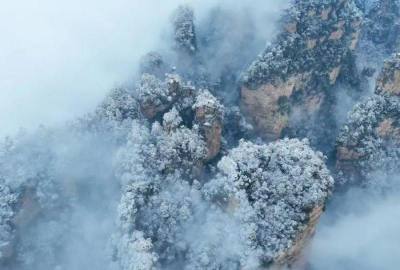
[[370, 141], [291, 80]]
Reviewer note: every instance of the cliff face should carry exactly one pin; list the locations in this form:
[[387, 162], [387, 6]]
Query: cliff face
[[280, 238], [369, 142], [383, 24], [388, 81], [291, 79], [208, 116]]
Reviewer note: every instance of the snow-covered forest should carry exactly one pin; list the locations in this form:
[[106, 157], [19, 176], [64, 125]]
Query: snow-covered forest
[[254, 135]]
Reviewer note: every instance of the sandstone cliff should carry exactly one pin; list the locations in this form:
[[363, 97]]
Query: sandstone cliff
[[370, 140], [291, 79]]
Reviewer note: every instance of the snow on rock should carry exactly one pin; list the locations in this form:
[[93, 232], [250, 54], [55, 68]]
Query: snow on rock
[[209, 116], [261, 208], [370, 140], [388, 81], [288, 84], [283, 184]]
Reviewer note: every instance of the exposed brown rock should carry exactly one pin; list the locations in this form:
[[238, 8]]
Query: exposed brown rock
[[370, 139], [208, 115], [388, 81], [301, 67], [263, 106], [151, 107], [294, 258]]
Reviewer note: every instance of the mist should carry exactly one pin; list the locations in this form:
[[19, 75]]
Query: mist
[[360, 229], [58, 59], [58, 62]]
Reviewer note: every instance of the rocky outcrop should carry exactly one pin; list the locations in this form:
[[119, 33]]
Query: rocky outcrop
[[291, 79], [283, 186], [198, 108], [383, 24], [264, 201], [370, 140], [184, 30], [388, 81], [208, 115], [156, 96], [295, 256]]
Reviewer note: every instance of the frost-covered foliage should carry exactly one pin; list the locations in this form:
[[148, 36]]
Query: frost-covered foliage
[[387, 83], [185, 35], [177, 209], [154, 168], [156, 96], [369, 141], [7, 234], [249, 214], [45, 184], [28, 190], [172, 119], [380, 36], [160, 151], [207, 100], [119, 105], [383, 24], [291, 89], [317, 38], [278, 185], [26, 162], [134, 252]]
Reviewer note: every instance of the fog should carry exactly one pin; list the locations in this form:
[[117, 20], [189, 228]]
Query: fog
[[360, 230], [58, 59]]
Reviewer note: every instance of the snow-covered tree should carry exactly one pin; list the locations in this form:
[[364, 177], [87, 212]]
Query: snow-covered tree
[[29, 190], [369, 141], [250, 213], [7, 231], [279, 184], [119, 105]]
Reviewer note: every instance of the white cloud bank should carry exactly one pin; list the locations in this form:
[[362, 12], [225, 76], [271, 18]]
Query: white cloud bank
[[360, 231]]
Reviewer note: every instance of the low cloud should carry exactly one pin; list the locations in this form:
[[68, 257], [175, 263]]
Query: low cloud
[[360, 230]]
